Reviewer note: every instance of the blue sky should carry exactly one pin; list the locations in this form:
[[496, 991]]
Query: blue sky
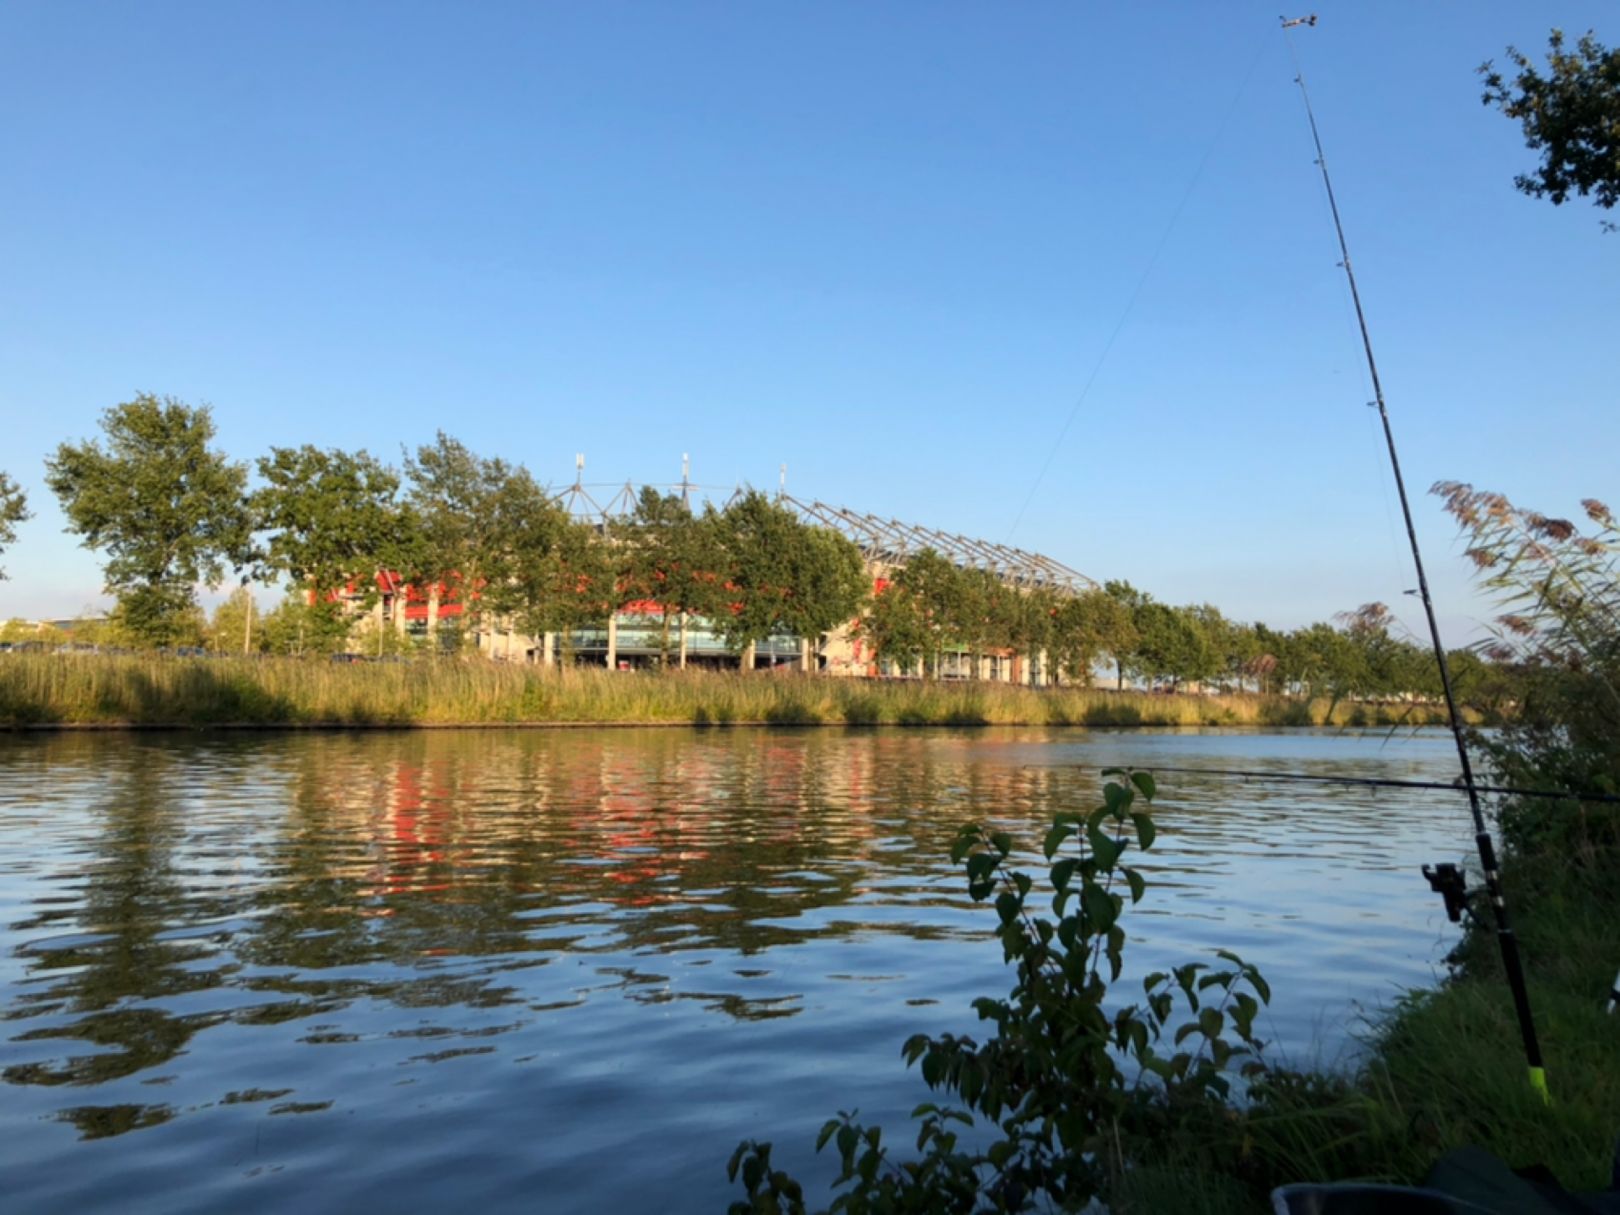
[[887, 244]]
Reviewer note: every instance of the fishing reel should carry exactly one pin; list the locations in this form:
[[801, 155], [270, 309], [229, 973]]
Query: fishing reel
[[1448, 882]]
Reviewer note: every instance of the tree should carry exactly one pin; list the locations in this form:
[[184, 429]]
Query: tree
[[547, 572], [1571, 115], [167, 509], [940, 589], [1172, 643], [1085, 628], [333, 523], [13, 510], [896, 626], [454, 495], [232, 629], [1131, 601], [668, 556], [783, 575]]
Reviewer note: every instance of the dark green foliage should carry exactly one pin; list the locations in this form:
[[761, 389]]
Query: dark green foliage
[[13, 510], [1087, 627], [333, 522], [896, 626], [782, 575], [541, 569], [1076, 1090], [168, 511], [1571, 115], [668, 556]]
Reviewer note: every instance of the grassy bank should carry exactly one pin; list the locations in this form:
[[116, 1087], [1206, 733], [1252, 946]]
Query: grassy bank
[[51, 689], [1450, 1062], [1447, 1066]]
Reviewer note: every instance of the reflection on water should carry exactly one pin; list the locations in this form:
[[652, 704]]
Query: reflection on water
[[510, 967]]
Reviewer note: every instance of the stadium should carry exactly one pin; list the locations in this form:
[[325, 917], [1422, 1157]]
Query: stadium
[[632, 638]]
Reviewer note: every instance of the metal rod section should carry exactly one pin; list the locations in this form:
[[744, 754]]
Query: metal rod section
[[1506, 939], [1388, 783]]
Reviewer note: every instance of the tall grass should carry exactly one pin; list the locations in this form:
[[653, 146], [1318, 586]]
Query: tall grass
[[65, 689]]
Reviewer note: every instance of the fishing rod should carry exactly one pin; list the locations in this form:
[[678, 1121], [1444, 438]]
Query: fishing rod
[[1392, 783], [1508, 942]]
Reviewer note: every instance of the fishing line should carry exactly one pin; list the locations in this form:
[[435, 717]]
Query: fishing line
[[1385, 782], [1506, 940], [1130, 306]]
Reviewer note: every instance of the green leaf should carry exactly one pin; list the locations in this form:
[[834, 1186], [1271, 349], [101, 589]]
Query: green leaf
[[1105, 850], [933, 1069], [829, 1128], [1063, 873], [1260, 985], [981, 865], [848, 1140], [1117, 799], [1100, 908], [1068, 931], [1137, 882], [1054, 840], [1244, 1009], [1144, 782], [1146, 832], [1139, 1038], [1216, 978], [1001, 842]]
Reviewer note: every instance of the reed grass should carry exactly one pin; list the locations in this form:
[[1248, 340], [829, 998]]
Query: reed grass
[[155, 690]]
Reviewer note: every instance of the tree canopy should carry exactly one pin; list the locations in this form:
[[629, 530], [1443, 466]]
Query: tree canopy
[[13, 510], [782, 575], [333, 521], [168, 510], [668, 556], [1570, 114]]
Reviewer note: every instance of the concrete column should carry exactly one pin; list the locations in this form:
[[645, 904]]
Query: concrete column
[[547, 649], [683, 641], [613, 642], [748, 657], [805, 655]]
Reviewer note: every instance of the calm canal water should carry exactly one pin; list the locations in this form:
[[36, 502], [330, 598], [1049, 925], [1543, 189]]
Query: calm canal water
[[567, 971]]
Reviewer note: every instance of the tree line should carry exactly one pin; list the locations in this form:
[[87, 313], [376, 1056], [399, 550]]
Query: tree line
[[168, 511]]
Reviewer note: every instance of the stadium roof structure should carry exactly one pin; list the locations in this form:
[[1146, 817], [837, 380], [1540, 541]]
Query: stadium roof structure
[[881, 541], [891, 542]]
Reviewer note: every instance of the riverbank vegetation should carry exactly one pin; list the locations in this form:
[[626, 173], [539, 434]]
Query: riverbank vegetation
[[152, 690], [1081, 1095], [1451, 1060], [472, 548]]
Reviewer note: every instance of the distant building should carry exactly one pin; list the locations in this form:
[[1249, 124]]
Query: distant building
[[634, 636]]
